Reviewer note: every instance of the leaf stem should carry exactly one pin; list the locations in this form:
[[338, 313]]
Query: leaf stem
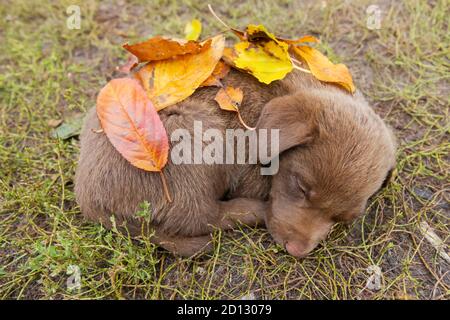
[[300, 68], [243, 123], [165, 186], [297, 67]]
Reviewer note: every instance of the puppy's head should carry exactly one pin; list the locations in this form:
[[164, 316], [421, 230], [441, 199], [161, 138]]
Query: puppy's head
[[335, 153]]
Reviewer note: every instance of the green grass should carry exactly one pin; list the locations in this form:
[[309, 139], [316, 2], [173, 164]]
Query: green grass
[[50, 72]]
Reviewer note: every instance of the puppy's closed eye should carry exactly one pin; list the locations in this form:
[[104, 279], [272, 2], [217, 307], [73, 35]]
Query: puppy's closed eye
[[296, 187]]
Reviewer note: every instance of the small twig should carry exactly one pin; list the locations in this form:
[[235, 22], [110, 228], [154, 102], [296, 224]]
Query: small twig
[[300, 68], [217, 17], [237, 32]]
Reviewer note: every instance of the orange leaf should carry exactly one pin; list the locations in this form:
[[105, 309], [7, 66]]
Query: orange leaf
[[230, 99], [132, 124], [220, 71], [173, 80], [303, 39], [323, 69], [159, 48]]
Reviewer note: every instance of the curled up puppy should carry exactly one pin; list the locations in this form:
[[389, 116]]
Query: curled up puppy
[[333, 154]]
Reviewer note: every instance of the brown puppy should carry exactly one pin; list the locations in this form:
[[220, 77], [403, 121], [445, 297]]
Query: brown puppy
[[335, 152]]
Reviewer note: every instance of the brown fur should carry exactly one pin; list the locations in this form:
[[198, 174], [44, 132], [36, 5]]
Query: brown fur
[[333, 147]]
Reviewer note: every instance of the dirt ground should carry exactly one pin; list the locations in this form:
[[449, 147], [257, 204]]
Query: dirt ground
[[50, 73]]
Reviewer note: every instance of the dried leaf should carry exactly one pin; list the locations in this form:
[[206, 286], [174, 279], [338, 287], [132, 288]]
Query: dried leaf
[[69, 128], [303, 39], [261, 54], [266, 56], [159, 48], [258, 33], [132, 124], [229, 55], [170, 81], [323, 69], [193, 30], [220, 71], [230, 99]]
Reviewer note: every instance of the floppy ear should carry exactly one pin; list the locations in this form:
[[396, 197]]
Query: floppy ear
[[293, 115]]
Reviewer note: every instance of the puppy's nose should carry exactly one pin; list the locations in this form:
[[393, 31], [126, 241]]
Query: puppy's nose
[[296, 249]]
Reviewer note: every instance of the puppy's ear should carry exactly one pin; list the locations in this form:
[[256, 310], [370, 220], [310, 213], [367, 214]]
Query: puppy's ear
[[293, 116]]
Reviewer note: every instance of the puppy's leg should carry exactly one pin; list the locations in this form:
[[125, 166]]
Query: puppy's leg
[[250, 212]]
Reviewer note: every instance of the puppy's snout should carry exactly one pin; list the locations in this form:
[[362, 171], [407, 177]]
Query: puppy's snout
[[296, 249]]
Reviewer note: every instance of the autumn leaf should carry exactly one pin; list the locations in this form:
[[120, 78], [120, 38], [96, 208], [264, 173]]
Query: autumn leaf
[[258, 33], [229, 56], [193, 30], [323, 69], [220, 71], [303, 39], [267, 62], [68, 128], [261, 54], [159, 48], [230, 99], [132, 124], [170, 81]]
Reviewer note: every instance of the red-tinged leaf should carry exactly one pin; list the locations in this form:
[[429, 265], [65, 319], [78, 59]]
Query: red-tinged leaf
[[132, 124]]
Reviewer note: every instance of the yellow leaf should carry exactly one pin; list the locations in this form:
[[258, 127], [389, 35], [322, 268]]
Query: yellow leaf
[[229, 55], [173, 80], [267, 61], [257, 33], [323, 69], [193, 30]]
